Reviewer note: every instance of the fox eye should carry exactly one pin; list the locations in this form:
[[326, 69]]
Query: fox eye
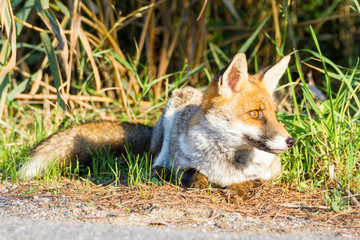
[[255, 114]]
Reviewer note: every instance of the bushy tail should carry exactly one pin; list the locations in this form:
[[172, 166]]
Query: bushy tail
[[77, 143]]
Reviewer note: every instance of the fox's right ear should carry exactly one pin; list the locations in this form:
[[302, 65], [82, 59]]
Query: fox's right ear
[[234, 75]]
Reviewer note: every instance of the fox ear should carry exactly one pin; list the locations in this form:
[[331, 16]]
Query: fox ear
[[233, 76], [272, 75]]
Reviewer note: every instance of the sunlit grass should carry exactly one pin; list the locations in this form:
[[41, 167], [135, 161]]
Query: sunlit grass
[[327, 132], [88, 66]]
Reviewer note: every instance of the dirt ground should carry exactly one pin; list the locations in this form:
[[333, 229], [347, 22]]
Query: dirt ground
[[268, 210]]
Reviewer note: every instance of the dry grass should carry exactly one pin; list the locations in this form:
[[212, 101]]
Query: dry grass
[[94, 41], [267, 202]]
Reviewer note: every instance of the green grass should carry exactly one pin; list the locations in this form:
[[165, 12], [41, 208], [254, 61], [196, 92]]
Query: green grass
[[327, 131]]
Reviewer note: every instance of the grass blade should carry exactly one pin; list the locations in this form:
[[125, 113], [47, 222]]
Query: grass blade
[[251, 39], [23, 14], [54, 66], [74, 34], [88, 50], [19, 89], [7, 22], [54, 26]]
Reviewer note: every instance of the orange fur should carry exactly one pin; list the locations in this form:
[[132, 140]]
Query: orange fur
[[252, 95]]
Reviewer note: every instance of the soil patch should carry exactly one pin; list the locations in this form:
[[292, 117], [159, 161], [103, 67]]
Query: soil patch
[[269, 209]]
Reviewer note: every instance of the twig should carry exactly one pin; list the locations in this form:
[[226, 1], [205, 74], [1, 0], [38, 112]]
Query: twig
[[276, 26], [304, 206], [267, 29], [28, 25], [338, 183], [202, 10], [291, 33], [24, 96]]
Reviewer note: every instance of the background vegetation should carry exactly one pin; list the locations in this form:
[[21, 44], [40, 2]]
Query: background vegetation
[[65, 62]]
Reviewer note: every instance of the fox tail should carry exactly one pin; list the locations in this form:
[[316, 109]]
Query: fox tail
[[76, 144]]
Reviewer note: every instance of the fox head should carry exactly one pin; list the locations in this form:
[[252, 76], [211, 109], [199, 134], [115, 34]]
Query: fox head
[[242, 106]]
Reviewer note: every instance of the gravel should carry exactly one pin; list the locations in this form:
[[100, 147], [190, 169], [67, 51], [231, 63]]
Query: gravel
[[16, 208]]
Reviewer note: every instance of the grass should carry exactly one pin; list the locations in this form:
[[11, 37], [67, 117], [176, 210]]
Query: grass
[[49, 87], [327, 134], [327, 131]]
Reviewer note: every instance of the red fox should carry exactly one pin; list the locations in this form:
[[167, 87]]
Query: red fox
[[228, 135]]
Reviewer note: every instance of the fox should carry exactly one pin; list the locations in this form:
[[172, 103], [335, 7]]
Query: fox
[[227, 135]]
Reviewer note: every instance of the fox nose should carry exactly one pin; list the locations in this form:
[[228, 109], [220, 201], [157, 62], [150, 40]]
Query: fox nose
[[290, 142]]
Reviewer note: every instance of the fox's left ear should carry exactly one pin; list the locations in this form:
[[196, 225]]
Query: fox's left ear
[[272, 75]]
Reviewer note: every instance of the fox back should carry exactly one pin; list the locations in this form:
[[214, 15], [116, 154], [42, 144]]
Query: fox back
[[230, 133]]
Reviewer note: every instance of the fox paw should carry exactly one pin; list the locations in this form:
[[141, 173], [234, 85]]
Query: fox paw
[[199, 181], [160, 172], [192, 178], [243, 188]]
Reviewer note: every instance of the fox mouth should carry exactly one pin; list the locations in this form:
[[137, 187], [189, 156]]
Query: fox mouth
[[261, 145]]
